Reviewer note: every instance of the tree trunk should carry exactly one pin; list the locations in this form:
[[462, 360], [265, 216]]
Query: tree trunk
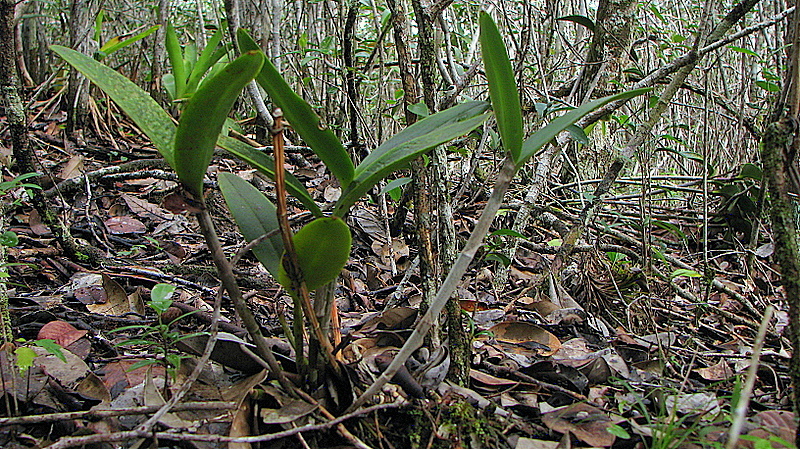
[[606, 59], [779, 151], [80, 25], [159, 51]]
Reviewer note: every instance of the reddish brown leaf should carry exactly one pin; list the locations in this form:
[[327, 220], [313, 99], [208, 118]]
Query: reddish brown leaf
[[63, 333]]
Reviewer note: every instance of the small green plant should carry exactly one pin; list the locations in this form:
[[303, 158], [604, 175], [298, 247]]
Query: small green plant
[[495, 244], [160, 336], [25, 354]]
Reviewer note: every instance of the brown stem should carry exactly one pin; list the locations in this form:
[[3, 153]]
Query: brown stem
[[229, 282], [290, 263]]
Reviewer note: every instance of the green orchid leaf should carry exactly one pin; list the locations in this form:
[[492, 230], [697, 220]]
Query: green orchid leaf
[[116, 43], [140, 107], [205, 113], [540, 138], [175, 54], [302, 118], [51, 347], [502, 86], [255, 215], [323, 248], [266, 165], [408, 144], [210, 55]]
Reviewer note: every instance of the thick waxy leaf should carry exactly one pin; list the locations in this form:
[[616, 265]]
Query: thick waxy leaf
[[158, 126], [266, 165], [502, 86], [210, 55], [176, 60], [322, 247], [540, 138], [140, 107], [255, 216], [202, 120], [302, 118], [409, 144]]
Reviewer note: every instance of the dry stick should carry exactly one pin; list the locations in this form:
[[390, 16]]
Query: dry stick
[[747, 391], [293, 266], [109, 413], [447, 288], [131, 434]]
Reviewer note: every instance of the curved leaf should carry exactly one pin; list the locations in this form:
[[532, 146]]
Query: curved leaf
[[204, 116], [409, 144], [540, 138], [302, 118], [140, 107], [322, 247], [502, 86], [580, 20], [255, 215], [266, 165], [115, 43]]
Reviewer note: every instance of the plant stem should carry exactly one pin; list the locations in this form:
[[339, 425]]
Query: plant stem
[[299, 292], [229, 282], [449, 285]]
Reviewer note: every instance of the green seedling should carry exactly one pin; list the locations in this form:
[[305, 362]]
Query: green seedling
[[159, 337]]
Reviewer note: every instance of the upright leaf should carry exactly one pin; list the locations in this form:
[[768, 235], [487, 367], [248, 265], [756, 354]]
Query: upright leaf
[[266, 165], [210, 55], [540, 138], [408, 144], [140, 107], [302, 118], [502, 86], [255, 216], [175, 55], [205, 113]]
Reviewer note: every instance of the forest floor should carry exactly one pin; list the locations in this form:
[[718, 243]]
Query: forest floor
[[609, 356]]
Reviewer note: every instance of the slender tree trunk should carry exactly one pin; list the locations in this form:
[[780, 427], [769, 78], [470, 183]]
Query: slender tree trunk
[[444, 244], [20, 10], [80, 25], [779, 152], [159, 51]]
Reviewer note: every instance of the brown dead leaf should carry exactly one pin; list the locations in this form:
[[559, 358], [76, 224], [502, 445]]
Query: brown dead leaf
[[116, 300], [63, 333], [36, 225], [716, 373], [527, 335], [589, 424], [125, 225], [779, 423], [146, 209], [73, 168]]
